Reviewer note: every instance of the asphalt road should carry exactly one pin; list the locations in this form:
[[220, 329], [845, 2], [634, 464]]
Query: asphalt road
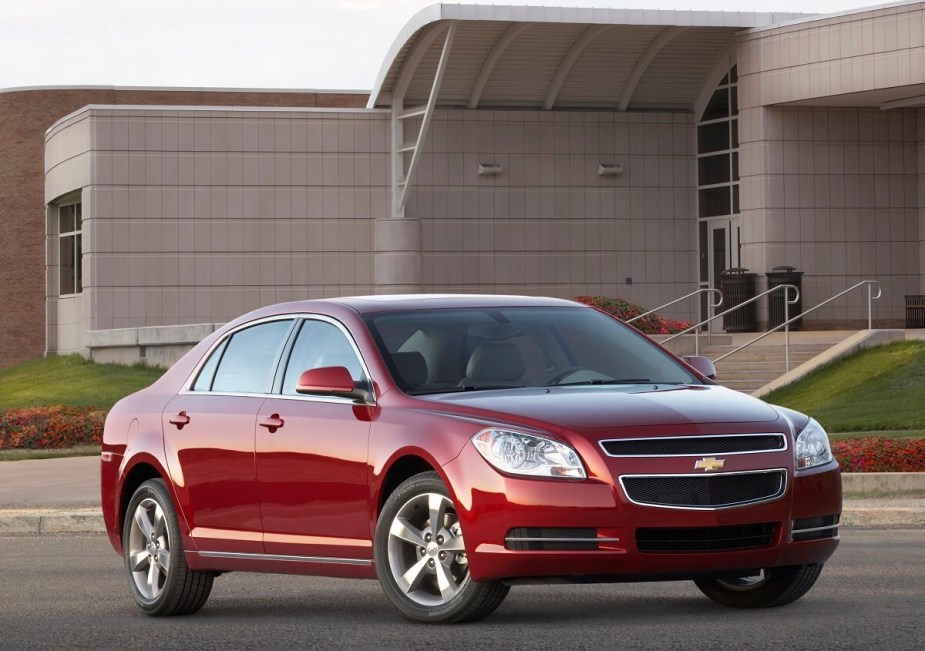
[[59, 591]]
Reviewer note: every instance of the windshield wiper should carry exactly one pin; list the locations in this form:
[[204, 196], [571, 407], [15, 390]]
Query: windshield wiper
[[489, 387], [639, 380], [422, 392]]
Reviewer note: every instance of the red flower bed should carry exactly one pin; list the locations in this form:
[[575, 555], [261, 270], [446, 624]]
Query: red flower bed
[[880, 455], [51, 427], [651, 325]]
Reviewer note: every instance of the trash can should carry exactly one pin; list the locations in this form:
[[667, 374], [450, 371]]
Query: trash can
[[915, 311], [738, 286], [777, 309]]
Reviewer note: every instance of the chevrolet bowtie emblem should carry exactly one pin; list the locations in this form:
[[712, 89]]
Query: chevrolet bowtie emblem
[[708, 464]]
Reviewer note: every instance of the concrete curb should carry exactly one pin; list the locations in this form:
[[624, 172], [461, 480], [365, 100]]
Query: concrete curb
[[878, 518], [45, 521], [890, 482]]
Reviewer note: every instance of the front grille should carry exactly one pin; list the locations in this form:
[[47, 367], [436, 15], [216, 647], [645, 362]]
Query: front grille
[[819, 528], [680, 446], [551, 539], [705, 491], [668, 540]]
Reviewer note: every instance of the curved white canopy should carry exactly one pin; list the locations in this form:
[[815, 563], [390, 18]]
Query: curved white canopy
[[561, 57]]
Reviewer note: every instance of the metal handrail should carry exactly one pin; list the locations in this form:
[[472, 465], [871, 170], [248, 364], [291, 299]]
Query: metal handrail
[[788, 321], [709, 290], [734, 308]]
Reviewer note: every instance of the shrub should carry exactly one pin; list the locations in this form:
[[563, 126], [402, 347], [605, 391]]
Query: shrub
[[652, 324], [51, 427], [880, 454]]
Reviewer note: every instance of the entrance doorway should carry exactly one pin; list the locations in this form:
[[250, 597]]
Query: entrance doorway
[[720, 247]]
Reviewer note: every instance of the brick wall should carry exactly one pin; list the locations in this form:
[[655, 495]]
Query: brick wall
[[24, 117]]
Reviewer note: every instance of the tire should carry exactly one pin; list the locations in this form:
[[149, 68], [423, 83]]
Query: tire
[[160, 580], [775, 587], [419, 537]]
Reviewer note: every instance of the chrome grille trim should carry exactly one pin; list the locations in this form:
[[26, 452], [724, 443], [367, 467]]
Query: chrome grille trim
[[770, 498], [813, 529], [700, 453]]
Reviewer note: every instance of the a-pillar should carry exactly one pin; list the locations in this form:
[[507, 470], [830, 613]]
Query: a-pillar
[[398, 265]]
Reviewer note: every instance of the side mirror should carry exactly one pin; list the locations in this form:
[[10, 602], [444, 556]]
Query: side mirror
[[330, 381], [701, 364]]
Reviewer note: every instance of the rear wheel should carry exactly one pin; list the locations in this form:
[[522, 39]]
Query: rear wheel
[[421, 558], [160, 580], [772, 587]]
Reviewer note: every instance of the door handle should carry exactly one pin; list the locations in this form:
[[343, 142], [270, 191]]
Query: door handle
[[272, 423], [179, 420]]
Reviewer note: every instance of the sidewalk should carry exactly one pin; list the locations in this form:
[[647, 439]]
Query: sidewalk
[[46, 496]]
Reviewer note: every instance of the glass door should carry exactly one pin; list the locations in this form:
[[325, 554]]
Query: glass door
[[723, 252]]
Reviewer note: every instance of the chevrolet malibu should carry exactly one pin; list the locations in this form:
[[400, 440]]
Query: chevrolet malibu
[[455, 446]]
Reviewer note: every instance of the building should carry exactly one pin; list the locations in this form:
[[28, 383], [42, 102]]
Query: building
[[25, 115], [510, 149]]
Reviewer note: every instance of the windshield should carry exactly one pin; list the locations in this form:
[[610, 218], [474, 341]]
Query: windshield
[[441, 350]]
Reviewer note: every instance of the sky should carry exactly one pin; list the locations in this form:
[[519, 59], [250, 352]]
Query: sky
[[299, 44]]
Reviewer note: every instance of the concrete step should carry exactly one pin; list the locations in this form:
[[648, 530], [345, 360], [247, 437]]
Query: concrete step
[[764, 361], [735, 363]]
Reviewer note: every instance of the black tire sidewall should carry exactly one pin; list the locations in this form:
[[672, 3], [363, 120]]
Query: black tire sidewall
[[783, 586]]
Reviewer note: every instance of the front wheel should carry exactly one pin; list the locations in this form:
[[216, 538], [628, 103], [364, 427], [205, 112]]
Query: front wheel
[[772, 587], [421, 559], [161, 582]]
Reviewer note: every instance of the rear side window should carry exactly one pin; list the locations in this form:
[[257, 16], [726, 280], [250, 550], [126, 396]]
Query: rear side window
[[207, 374], [247, 361]]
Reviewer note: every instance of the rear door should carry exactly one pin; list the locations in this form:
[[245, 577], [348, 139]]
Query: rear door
[[209, 438]]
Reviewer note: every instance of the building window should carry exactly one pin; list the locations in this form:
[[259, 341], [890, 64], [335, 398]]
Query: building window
[[70, 247], [718, 151]]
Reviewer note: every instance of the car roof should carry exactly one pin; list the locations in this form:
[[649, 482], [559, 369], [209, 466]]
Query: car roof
[[395, 302]]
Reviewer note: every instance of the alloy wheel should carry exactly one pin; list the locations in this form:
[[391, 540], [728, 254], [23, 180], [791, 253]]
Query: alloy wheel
[[427, 556], [149, 548]]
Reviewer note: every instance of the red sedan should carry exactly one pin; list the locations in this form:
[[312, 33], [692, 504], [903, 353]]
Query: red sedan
[[454, 446]]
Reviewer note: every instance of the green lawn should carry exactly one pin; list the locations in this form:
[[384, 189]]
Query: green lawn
[[71, 380], [879, 390]]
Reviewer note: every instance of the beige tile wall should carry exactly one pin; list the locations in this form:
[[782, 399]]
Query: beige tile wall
[[835, 193], [549, 225], [201, 215], [920, 156], [861, 51]]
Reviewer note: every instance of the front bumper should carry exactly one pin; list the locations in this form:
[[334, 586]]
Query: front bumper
[[491, 506]]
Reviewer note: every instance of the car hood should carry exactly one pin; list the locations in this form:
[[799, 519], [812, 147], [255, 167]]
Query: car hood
[[592, 407]]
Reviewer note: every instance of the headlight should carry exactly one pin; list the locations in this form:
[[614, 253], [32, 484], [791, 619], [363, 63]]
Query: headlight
[[812, 446], [527, 454]]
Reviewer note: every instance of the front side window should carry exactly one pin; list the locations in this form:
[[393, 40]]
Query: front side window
[[247, 361], [320, 344], [69, 247]]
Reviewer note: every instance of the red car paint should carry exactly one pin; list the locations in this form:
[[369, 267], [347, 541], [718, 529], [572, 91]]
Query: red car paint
[[289, 477]]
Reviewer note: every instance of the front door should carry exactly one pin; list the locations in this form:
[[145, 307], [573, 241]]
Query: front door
[[312, 470]]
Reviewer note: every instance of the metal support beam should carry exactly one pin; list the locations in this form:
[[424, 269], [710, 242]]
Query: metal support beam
[[398, 144], [488, 66], [400, 148], [569, 60], [644, 62]]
